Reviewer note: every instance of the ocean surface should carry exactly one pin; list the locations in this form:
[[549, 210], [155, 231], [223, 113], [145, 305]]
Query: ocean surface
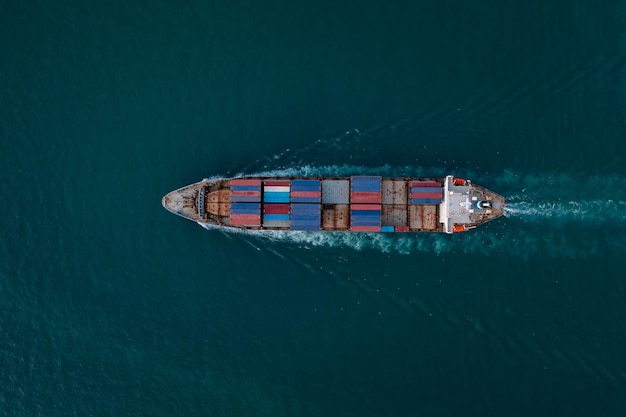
[[111, 306]]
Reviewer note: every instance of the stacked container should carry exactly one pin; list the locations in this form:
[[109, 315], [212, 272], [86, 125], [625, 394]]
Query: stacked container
[[276, 203], [365, 190], [245, 197], [245, 214], [305, 216], [305, 205], [276, 215], [365, 217], [245, 191], [426, 192], [276, 191], [335, 191], [306, 191], [365, 203]]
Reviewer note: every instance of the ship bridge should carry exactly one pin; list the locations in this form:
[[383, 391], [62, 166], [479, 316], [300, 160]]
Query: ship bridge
[[466, 205]]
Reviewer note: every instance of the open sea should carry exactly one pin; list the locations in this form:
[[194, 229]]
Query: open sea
[[111, 306]]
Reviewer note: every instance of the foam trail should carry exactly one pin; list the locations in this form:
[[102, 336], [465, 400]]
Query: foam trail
[[595, 211], [347, 170]]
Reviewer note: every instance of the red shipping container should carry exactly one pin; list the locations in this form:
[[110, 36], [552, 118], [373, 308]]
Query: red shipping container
[[402, 228], [245, 182], [426, 195], [367, 198], [365, 194], [305, 194], [245, 219], [366, 207], [425, 184], [365, 228], [245, 193], [276, 209], [272, 183]]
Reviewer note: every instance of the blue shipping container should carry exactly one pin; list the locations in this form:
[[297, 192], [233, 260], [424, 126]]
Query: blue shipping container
[[275, 217], [305, 185], [280, 197], [425, 201], [387, 229], [305, 199], [354, 222], [245, 208], [360, 178], [366, 187], [305, 208], [429, 190], [308, 227], [365, 219], [245, 187], [358, 213]]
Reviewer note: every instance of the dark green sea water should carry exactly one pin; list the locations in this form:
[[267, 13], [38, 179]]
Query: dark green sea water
[[110, 306]]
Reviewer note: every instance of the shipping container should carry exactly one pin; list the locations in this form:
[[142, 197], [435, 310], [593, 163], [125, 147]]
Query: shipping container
[[245, 219], [387, 229], [245, 188], [305, 185], [427, 195], [394, 214], [237, 193], [306, 191], [305, 209], [366, 187], [364, 222], [366, 207], [335, 191], [275, 217], [245, 199], [365, 178], [335, 216], [422, 217], [426, 190], [435, 201], [425, 184], [276, 189], [305, 216], [402, 228], [305, 226], [365, 228], [245, 191], [365, 198], [365, 215], [283, 224], [276, 208], [241, 181], [277, 197], [271, 183], [394, 192], [245, 208]]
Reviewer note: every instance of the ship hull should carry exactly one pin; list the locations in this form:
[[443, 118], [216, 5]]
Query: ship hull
[[346, 204]]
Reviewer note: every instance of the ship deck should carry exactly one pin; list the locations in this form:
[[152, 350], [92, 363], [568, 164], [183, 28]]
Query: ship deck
[[338, 204]]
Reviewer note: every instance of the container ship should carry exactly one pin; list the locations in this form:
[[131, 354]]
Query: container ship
[[350, 204]]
